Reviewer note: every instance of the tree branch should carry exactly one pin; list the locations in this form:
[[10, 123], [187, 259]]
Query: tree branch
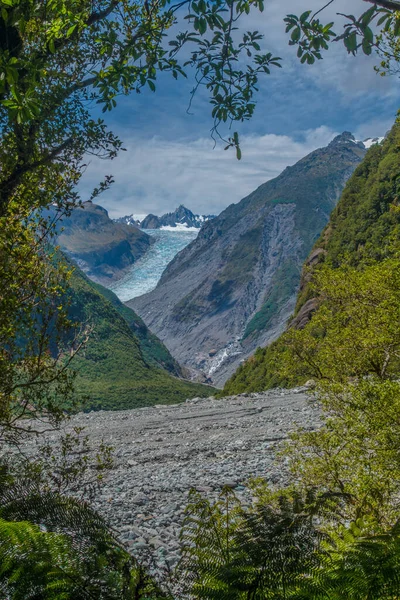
[[8, 186], [390, 4]]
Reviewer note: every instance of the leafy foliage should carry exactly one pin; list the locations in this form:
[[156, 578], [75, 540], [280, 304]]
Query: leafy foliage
[[286, 545], [54, 547], [377, 28], [230, 551], [33, 322]]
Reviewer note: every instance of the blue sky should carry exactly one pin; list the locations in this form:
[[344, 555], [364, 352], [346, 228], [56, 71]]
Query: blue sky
[[171, 159]]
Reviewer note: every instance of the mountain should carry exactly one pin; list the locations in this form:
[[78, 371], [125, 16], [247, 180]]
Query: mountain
[[128, 220], [123, 364], [361, 227], [181, 218], [102, 248], [234, 287]]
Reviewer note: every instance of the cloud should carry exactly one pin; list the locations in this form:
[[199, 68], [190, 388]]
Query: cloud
[[299, 108], [156, 175]]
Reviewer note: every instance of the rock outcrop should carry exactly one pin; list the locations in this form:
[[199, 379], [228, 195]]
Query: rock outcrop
[[103, 249]]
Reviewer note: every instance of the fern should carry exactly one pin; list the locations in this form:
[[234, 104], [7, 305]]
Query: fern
[[230, 551], [53, 547], [280, 549]]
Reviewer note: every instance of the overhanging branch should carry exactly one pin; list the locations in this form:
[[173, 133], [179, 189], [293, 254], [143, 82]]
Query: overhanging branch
[[389, 4]]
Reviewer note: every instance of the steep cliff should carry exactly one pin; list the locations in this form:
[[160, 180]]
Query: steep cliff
[[363, 226], [235, 286], [102, 248]]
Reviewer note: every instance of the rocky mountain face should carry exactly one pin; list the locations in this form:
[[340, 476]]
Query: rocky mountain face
[[362, 227], [102, 248], [234, 287], [128, 220], [181, 218]]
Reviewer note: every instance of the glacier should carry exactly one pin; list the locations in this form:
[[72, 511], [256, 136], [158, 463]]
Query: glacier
[[144, 275]]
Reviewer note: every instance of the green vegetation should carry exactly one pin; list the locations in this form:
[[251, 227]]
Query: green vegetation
[[123, 364], [55, 548], [363, 227], [286, 545], [153, 350]]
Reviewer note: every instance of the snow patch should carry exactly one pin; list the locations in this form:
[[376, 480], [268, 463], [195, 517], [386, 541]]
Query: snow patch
[[178, 227], [372, 141]]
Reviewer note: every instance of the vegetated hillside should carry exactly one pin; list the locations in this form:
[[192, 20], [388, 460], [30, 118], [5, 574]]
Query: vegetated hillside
[[363, 226], [102, 248], [123, 365], [234, 287]]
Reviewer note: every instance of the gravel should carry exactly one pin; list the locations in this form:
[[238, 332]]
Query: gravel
[[161, 452]]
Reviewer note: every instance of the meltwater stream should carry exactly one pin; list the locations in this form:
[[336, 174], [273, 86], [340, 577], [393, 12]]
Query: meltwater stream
[[146, 272]]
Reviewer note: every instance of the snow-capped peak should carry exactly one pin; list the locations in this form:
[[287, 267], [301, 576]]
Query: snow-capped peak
[[371, 141]]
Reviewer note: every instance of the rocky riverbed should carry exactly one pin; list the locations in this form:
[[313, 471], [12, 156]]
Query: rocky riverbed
[[163, 451]]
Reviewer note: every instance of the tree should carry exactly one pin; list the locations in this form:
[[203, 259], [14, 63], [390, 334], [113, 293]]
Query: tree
[[58, 59], [377, 29], [351, 347]]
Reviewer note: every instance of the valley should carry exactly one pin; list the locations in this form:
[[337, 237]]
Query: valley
[[199, 403], [234, 287]]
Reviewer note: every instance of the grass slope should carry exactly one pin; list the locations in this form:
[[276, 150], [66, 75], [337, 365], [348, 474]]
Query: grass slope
[[123, 365], [361, 227]]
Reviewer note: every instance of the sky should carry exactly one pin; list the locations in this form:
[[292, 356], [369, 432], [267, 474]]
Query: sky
[[171, 159]]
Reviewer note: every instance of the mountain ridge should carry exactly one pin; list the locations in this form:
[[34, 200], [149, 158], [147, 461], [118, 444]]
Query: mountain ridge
[[213, 289], [181, 217], [360, 228], [103, 249]]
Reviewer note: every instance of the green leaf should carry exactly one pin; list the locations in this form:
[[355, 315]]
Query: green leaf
[[367, 16], [202, 25], [296, 33], [71, 30], [366, 46]]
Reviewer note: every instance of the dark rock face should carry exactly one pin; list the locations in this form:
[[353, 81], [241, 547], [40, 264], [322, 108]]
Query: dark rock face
[[128, 220], [102, 248], [234, 287], [150, 222]]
